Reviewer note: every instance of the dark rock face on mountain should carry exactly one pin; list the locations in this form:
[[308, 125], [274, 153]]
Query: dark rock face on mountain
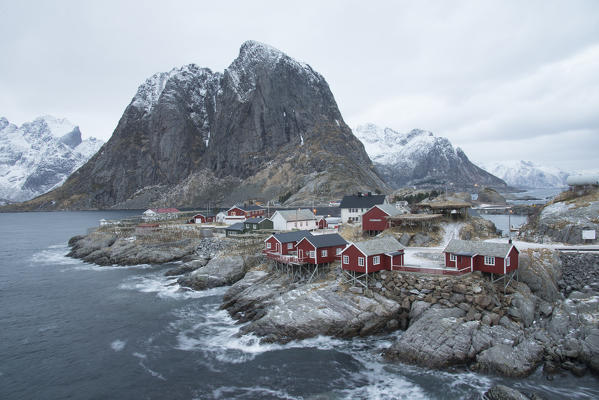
[[418, 158], [268, 126]]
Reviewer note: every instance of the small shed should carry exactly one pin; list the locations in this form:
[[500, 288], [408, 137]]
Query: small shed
[[321, 222], [235, 229], [491, 257], [320, 249], [256, 224]]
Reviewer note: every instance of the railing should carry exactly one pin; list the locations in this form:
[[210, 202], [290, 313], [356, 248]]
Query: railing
[[285, 258], [435, 271]]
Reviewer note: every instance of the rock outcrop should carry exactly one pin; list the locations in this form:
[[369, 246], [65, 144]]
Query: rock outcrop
[[281, 311], [268, 127], [220, 271], [563, 219]]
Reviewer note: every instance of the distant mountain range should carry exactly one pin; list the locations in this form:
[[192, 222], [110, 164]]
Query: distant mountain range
[[39, 156], [266, 128], [419, 158], [526, 174]]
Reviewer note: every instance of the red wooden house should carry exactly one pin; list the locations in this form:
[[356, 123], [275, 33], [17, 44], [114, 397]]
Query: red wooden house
[[283, 244], [494, 258], [246, 211], [204, 217], [375, 220], [361, 258], [320, 249], [321, 222]]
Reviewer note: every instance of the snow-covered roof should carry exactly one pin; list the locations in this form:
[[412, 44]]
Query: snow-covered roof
[[385, 244], [296, 215], [471, 247]]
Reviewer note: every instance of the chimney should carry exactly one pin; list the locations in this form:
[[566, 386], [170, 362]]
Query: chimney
[[369, 194], [510, 241]]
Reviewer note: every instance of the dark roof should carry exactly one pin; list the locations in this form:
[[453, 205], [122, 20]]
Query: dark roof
[[235, 227], [254, 220], [363, 201], [329, 240], [294, 236], [206, 214], [248, 208]]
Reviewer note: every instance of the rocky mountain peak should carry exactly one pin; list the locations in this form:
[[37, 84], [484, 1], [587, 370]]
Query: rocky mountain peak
[[420, 158], [72, 139], [267, 128]]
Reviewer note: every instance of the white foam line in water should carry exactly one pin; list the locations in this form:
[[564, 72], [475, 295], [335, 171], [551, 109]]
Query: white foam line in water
[[118, 345], [141, 363], [167, 287], [56, 255]]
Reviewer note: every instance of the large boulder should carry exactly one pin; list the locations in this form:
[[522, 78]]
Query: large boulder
[[219, 271], [541, 270], [502, 392], [517, 361]]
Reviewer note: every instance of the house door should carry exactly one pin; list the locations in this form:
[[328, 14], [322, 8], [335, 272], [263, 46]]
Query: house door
[[300, 254], [277, 248]]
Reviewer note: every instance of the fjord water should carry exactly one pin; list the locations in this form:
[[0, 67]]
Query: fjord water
[[70, 330]]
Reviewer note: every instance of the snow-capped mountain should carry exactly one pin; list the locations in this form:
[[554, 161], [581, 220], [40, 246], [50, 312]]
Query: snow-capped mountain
[[39, 156], [527, 174], [420, 158]]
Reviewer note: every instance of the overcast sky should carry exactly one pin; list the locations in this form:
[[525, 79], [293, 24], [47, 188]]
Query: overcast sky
[[502, 79]]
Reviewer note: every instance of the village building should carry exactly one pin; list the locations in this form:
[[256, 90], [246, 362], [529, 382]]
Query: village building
[[154, 214], [490, 257], [376, 219], [286, 220], [256, 224], [320, 249], [221, 216], [283, 244], [239, 213], [454, 208], [321, 222], [235, 229], [362, 258], [353, 206], [204, 217]]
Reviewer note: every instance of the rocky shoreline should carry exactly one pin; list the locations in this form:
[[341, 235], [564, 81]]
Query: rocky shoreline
[[549, 318]]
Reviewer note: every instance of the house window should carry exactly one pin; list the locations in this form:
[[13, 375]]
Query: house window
[[338, 251], [507, 262], [453, 257], [268, 245], [290, 245], [312, 254], [323, 253], [345, 259], [255, 226], [376, 260], [361, 261], [489, 260]]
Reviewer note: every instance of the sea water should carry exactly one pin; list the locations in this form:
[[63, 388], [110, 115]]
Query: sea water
[[71, 330]]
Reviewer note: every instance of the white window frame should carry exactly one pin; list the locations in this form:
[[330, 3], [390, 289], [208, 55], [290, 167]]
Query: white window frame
[[345, 259], [312, 254], [289, 246], [453, 257], [489, 260], [507, 261], [268, 245], [376, 260], [324, 253], [360, 261]]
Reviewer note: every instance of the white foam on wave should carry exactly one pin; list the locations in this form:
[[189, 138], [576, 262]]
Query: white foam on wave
[[166, 287], [56, 255], [118, 345], [102, 268]]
